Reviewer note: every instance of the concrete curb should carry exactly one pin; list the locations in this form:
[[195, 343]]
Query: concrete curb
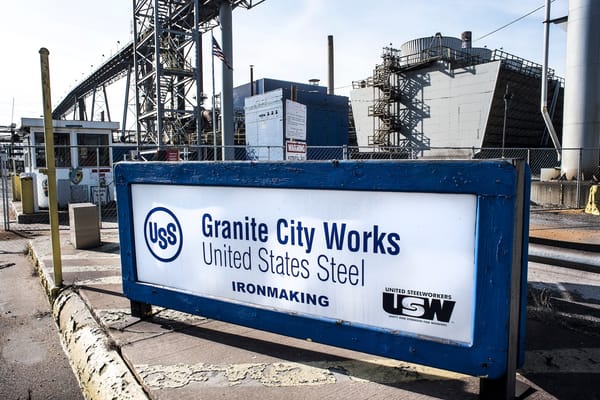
[[99, 367]]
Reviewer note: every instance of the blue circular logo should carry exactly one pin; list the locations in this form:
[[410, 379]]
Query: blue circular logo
[[163, 234]]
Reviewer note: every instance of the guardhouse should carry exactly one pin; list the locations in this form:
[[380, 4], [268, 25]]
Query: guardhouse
[[83, 160]]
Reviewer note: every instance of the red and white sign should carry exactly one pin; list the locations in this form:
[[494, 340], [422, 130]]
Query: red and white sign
[[172, 155], [295, 150]]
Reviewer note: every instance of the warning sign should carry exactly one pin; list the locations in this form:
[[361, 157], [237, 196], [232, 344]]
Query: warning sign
[[295, 150]]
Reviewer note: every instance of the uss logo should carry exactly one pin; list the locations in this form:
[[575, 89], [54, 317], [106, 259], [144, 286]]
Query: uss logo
[[163, 234]]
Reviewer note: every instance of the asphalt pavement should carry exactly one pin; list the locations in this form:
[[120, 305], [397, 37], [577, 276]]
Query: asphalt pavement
[[181, 356], [33, 364]]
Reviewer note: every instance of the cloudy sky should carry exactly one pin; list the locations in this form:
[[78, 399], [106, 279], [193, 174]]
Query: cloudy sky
[[283, 39]]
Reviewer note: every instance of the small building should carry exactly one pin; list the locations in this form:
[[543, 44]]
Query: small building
[[83, 160]]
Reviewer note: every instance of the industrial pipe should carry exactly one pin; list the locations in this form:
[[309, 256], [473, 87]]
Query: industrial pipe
[[581, 126], [544, 92]]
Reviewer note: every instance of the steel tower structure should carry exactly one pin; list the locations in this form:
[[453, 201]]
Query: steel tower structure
[[164, 62], [168, 73], [167, 54]]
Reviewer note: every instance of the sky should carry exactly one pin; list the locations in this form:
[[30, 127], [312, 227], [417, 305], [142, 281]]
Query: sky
[[283, 39]]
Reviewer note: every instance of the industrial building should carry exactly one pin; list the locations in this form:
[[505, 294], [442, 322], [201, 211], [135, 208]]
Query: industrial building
[[440, 97], [326, 121]]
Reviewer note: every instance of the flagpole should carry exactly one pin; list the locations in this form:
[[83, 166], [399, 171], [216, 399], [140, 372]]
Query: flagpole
[[214, 118], [227, 138]]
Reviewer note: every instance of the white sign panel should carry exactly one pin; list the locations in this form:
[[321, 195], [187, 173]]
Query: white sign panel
[[295, 120], [401, 261], [264, 126]]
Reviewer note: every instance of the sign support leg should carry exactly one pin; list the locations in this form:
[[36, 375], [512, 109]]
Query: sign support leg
[[140, 310], [504, 387], [498, 389]]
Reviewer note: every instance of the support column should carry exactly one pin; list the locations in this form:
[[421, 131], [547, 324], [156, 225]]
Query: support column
[[227, 89], [199, 79], [160, 108]]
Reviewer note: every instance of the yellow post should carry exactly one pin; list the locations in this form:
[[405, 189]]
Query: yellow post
[[18, 186], [593, 201], [27, 200], [51, 167], [15, 180]]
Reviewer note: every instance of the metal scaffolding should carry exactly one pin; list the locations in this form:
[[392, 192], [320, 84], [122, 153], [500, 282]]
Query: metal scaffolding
[[168, 71], [165, 62], [168, 67]]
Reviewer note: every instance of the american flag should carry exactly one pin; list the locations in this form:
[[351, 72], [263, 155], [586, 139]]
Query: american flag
[[217, 52]]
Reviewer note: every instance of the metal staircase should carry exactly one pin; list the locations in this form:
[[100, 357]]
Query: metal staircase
[[391, 109]]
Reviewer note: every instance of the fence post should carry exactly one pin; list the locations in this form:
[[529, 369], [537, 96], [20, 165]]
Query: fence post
[[4, 172], [345, 152], [578, 191], [99, 193]]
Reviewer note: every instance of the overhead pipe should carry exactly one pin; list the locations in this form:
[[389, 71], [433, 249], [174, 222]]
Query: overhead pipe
[[544, 92]]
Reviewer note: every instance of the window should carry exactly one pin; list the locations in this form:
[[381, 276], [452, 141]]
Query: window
[[89, 145], [62, 150]]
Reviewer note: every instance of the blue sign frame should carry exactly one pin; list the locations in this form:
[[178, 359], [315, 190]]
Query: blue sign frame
[[501, 229]]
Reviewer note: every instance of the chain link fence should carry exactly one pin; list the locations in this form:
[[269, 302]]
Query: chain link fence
[[85, 173]]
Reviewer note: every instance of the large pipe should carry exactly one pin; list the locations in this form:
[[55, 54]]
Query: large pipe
[[330, 62], [581, 124], [227, 89], [544, 91]]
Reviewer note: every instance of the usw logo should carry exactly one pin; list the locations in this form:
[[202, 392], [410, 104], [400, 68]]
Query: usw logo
[[418, 307]]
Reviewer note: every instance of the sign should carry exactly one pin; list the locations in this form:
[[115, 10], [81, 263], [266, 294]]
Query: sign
[[322, 252], [172, 155], [295, 120], [99, 195], [410, 260], [264, 126], [295, 150]]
